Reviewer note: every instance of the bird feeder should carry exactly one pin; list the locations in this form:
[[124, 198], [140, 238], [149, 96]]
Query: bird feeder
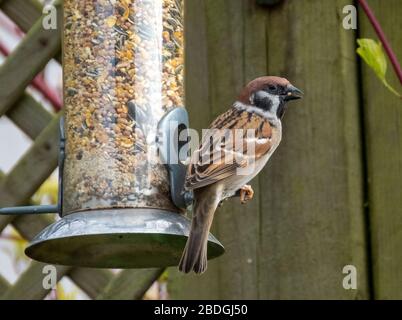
[[121, 206]]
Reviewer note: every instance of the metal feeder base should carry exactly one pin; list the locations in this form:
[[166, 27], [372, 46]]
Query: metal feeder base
[[116, 238]]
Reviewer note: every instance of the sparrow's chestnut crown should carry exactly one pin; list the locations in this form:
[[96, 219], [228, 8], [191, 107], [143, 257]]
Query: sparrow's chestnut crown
[[272, 85]]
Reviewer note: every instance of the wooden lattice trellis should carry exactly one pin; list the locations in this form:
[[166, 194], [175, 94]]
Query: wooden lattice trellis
[[30, 57]]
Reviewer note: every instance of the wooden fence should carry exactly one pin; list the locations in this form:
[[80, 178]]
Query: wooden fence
[[330, 196]]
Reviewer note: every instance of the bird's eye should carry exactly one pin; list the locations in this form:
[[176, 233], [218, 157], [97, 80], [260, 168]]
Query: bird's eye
[[272, 88]]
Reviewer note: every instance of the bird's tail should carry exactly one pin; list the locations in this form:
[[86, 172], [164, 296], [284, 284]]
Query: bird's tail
[[195, 253]]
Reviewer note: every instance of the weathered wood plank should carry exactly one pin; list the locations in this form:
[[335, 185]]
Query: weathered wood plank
[[91, 281], [383, 136], [130, 284], [308, 219], [31, 170], [29, 226], [25, 111], [27, 60], [29, 285], [29, 116], [312, 218], [23, 12], [239, 225], [233, 30], [196, 71], [4, 285], [200, 113]]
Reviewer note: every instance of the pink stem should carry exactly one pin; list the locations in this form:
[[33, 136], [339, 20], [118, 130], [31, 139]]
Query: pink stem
[[39, 84], [383, 38]]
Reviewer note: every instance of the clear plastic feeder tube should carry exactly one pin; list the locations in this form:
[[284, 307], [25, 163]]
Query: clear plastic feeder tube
[[123, 69]]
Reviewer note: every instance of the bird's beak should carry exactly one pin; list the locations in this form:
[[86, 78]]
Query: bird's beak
[[292, 93]]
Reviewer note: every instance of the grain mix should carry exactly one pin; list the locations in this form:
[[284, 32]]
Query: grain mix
[[123, 69]]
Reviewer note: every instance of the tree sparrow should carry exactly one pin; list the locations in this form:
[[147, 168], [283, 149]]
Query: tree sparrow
[[237, 157]]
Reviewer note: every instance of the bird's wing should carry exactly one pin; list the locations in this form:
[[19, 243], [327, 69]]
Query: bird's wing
[[224, 148]]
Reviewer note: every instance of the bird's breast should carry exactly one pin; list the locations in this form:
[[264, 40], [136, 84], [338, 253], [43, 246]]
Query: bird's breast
[[245, 175]]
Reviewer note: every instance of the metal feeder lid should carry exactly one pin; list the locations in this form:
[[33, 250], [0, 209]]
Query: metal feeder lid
[[116, 238]]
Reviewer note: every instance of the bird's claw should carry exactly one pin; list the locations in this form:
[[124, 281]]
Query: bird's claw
[[246, 193]]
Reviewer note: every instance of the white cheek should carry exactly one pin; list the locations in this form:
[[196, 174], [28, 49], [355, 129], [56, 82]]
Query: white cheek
[[252, 99], [275, 104]]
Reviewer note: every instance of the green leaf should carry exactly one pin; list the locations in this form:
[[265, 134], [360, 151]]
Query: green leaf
[[373, 54]]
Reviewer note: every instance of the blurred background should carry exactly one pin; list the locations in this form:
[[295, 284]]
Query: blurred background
[[328, 198]]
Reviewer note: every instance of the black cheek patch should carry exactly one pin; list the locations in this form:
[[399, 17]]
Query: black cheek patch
[[262, 102]]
